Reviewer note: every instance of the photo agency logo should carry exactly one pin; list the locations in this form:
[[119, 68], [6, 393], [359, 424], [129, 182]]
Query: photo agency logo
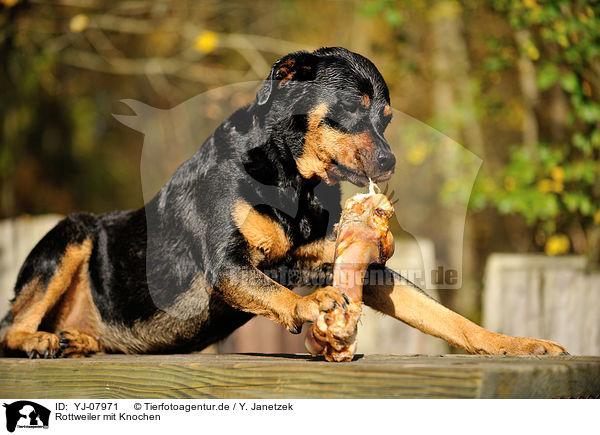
[[25, 414], [217, 147]]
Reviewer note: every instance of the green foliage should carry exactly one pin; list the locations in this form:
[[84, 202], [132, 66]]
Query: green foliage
[[388, 9], [555, 185]]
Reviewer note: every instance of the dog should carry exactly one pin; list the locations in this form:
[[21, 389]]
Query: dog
[[261, 194]]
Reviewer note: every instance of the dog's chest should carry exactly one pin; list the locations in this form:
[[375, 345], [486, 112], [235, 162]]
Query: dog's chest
[[313, 221], [317, 211], [286, 222]]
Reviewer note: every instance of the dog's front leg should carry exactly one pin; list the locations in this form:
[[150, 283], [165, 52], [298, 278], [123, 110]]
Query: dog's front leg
[[401, 299], [248, 289]]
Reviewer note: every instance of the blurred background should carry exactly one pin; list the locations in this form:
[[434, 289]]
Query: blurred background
[[516, 83]]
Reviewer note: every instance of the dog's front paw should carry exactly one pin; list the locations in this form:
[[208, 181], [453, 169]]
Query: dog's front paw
[[324, 299], [76, 344], [531, 346], [41, 345]]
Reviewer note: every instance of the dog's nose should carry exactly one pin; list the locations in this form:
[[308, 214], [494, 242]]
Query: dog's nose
[[386, 161]]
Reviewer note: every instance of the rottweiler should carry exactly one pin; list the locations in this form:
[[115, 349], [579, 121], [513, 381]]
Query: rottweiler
[[202, 257]]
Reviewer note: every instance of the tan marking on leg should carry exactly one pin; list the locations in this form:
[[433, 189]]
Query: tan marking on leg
[[29, 313], [29, 294], [256, 293], [405, 302], [260, 231], [76, 309], [387, 110], [316, 253]]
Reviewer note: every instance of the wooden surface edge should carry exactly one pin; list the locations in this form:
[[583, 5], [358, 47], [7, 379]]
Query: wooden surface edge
[[298, 376]]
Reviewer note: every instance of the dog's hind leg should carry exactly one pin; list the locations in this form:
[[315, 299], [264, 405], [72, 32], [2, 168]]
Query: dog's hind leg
[[46, 282]]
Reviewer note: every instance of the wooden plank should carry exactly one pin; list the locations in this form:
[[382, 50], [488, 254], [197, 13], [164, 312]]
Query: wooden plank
[[300, 376]]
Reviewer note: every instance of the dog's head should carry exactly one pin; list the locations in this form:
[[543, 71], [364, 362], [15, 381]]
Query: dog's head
[[329, 109]]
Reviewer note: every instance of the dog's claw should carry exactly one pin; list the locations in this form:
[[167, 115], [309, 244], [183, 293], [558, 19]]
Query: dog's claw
[[33, 354], [296, 330], [64, 343]]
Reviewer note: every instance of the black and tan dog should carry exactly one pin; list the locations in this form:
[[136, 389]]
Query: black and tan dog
[[259, 194]]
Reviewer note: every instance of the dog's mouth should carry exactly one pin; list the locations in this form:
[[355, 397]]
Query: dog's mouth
[[357, 177]]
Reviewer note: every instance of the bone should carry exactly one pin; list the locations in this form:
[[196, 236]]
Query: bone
[[363, 238]]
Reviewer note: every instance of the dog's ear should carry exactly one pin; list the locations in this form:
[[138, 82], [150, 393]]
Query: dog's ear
[[297, 66]]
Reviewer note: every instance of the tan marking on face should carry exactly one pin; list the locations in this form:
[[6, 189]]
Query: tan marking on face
[[387, 110], [260, 231], [323, 144], [365, 101], [285, 71]]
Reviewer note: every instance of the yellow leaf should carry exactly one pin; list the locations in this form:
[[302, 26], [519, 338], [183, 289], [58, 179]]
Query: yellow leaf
[[558, 173], [597, 218], [78, 23], [206, 42], [546, 185], [530, 4], [557, 186], [563, 41], [445, 10], [510, 184], [417, 154], [532, 51], [557, 244], [488, 185], [560, 26], [589, 11]]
